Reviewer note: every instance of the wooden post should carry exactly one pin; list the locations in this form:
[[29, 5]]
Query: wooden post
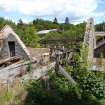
[[7, 85], [45, 82], [57, 63]]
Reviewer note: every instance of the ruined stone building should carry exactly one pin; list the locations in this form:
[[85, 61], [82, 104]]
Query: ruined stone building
[[95, 48], [11, 45]]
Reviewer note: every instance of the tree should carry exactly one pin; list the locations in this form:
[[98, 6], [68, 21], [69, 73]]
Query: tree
[[20, 23], [28, 35], [55, 21], [41, 24], [66, 20]]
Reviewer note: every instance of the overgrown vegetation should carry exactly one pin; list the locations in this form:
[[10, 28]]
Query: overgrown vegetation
[[90, 85], [12, 94], [90, 88], [100, 26], [28, 32]]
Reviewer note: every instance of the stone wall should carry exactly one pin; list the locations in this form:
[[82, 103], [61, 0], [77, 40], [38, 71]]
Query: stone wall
[[10, 35], [19, 51], [12, 71], [90, 39]]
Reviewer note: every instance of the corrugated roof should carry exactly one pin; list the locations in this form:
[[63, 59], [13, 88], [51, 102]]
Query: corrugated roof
[[46, 31]]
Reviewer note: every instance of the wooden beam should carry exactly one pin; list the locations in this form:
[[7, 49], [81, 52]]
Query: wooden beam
[[8, 60], [67, 76]]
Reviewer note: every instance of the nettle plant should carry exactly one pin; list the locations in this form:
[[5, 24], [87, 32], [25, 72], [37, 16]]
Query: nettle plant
[[92, 84]]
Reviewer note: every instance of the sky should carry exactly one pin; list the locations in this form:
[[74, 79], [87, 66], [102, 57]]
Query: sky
[[77, 10]]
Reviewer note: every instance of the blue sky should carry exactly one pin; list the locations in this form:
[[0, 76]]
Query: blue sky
[[76, 10]]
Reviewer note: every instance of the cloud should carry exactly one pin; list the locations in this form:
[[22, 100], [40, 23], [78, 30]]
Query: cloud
[[75, 9]]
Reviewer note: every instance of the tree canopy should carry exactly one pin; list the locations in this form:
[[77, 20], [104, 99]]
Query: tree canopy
[[28, 32]]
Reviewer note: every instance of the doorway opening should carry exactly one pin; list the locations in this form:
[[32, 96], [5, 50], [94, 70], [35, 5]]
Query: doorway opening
[[11, 45]]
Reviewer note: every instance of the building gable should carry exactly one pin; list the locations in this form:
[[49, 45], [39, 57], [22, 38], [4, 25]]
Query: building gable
[[9, 37]]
